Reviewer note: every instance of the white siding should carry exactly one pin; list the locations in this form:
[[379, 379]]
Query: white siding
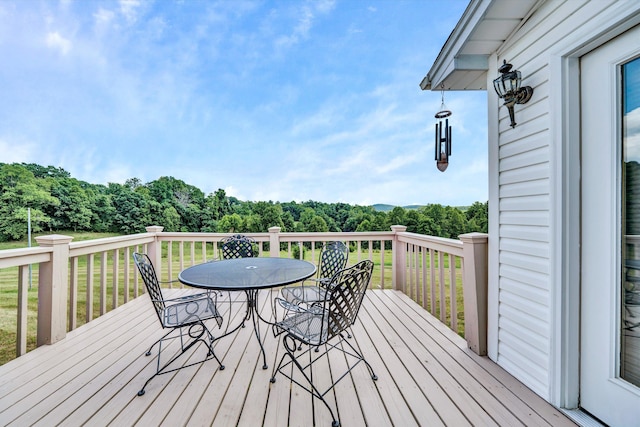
[[525, 195]]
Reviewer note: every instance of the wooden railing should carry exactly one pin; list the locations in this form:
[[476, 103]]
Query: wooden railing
[[445, 275], [80, 281]]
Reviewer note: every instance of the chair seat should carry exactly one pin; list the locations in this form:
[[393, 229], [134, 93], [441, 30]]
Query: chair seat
[[308, 294], [188, 310], [309, 327]]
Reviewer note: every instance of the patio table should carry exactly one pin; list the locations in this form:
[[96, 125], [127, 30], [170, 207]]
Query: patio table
[[249, 275]]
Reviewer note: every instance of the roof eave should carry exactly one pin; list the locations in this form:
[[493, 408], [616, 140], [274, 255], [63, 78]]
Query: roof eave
[[460, 67]]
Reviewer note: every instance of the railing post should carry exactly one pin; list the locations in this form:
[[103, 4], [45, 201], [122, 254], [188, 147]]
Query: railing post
[[53, 290], [398, 259], [154, 249], [475, 283], [274, 241]]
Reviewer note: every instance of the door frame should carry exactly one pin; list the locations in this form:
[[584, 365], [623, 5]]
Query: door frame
[[566, 204]]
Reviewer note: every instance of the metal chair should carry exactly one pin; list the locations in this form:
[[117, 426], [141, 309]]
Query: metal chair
[[333, 258], [323, 325], [237, 246], [632, 295], [184, 317]]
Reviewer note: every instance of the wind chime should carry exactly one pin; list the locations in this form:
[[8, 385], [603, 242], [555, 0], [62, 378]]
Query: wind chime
[[443, 136]]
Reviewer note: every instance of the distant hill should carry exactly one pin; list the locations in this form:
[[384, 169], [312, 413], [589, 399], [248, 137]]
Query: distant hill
[[381, 207]]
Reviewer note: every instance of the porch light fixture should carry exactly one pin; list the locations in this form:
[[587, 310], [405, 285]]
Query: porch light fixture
[[443, 136], [507, 87]]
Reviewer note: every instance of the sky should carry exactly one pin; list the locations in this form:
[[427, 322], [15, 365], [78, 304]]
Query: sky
[[268, 100], [631, 96]]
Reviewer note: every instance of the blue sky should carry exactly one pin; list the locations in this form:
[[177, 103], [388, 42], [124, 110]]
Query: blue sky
[[631, 96], [269, 100]]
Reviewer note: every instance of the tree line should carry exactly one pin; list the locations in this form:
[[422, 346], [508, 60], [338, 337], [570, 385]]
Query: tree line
[[58, 202]]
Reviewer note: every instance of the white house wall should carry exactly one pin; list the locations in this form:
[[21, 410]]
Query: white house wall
[[522, 312]]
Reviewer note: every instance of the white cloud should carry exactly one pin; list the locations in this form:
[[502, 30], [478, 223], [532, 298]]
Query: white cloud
[[56, 41], [305, 17], [231, 191], [632, 141], [399, 161], [324, 6], [354, 30], [17, 151], [128, 8], [117, 173], [103, 17]]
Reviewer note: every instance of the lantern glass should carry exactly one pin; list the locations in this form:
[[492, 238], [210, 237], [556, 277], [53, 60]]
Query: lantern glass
[[515, 79], [499, 87], [508, 84]]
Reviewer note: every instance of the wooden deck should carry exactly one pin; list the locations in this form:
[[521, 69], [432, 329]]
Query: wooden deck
[[427, 377]]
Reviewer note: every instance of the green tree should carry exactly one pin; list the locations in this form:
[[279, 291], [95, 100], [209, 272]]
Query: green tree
[[253, 224], [268, 215], [478, 217], [170, 219], [46, 171], [231, 224], [220, 204], [132, 213], [287, 221], [317, 225], [454, 224], [101, 208], [379, 222], [20, 191], [413, 219], [437, 215], [74, 211], [356, 216], [397, 216]]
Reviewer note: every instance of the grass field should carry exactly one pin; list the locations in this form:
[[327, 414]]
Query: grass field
[[103, 296]]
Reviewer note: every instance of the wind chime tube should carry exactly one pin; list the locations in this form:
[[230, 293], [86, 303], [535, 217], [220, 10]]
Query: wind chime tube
[[446, 138], [437, 132], [448, 129]]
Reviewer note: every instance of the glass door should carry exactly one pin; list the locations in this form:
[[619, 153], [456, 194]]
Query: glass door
[[610, 231], [630, 325]]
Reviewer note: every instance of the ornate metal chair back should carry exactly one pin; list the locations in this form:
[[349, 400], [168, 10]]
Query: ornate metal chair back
[[333, 258], [237, 246], [346, 292], [151, 282]]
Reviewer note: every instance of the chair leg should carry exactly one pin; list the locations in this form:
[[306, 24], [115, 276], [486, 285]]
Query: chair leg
[[359, 356], [290, 348], [195, 338], [148, 353], [211, 350]]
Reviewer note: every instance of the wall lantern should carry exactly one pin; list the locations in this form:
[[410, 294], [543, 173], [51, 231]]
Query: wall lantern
[[507, 87], [443, 136]]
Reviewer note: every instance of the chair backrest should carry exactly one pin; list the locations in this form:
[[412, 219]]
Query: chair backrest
[[333, 258], [237, 246], [150, 279], [345, 295]]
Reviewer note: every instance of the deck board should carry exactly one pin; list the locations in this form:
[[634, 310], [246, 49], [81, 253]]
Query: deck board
[[464, 389], [427, 376]]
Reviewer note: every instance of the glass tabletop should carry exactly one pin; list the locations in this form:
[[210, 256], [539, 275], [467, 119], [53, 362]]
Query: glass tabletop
[[247, 273]]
